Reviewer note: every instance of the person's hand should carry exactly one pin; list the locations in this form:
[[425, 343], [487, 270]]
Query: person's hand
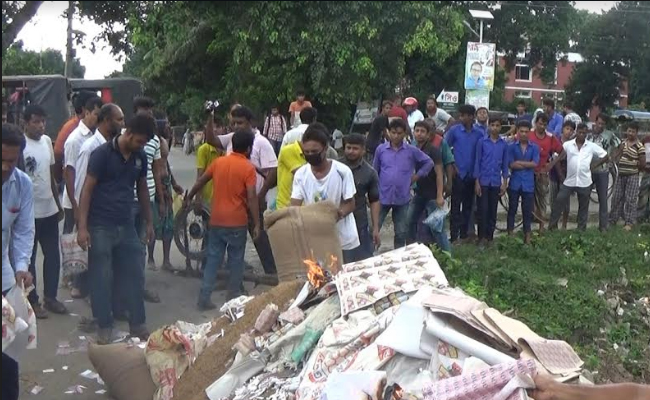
[[61, 214], [162, 208], [24, 278], [198, 205], [83, 239], [477, 189], [440, 201], [178, 189], [150, 235], [545, 388], [376, 238], [256, 232], [414, 178], [503, 189]]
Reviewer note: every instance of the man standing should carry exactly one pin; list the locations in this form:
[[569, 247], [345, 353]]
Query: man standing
[[548, 145], [482, 117], [491, 173], [522, 115], [265, 162], [275, 126], [367, 187], [523, 158], [570, 115], [609, 142], [555, 120], [79, 100], [413, 114], [579, 154], [440, 117], [399, 165], [39, 165], [206, 153], [397, 111], [72, 146], [296, 107], [307, 117], [235, 196], [322, 179], [378, 129], [107, 229], [463, 139], [428, 190]]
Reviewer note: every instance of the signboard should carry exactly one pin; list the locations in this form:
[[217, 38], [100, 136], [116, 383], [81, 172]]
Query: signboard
[[447, 97], [478, 98], [479, 66]]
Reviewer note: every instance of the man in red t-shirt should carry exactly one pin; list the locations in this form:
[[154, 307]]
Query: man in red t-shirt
[[548, 145], [397, 110]]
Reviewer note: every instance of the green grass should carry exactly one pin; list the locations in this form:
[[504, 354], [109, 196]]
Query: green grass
[[523, 281]]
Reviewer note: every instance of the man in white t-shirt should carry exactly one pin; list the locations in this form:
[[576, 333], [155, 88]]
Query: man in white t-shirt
[[83, 132], [323, 179], [307, 116], [265, 162], [414, 115], [440, 117], [39, 162]]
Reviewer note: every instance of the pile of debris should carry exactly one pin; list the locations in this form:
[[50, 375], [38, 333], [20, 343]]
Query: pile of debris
[[388, 327]]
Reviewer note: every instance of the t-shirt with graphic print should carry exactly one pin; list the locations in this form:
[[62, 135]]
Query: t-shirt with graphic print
[[39, 158], [336, 186]]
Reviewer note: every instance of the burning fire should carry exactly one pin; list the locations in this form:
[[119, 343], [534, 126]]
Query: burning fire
[[317, 275]]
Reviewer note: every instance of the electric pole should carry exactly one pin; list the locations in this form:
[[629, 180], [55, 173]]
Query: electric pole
[[69, 50]]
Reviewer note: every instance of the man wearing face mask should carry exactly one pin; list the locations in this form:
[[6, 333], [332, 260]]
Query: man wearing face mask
[[322, 179]]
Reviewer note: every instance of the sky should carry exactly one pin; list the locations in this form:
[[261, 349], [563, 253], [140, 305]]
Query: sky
[[48, 30]]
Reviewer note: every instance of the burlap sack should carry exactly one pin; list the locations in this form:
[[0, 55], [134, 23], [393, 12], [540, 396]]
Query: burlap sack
[[124, 370], [300, 233]]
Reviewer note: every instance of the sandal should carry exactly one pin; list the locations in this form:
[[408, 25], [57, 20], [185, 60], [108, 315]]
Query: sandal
[[55, 306], [75, 293]]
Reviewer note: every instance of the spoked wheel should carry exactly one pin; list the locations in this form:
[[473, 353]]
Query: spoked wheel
[[613, 177], [502, 215], [190, 235]]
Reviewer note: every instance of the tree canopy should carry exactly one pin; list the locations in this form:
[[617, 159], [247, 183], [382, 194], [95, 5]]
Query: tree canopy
[[15, 14], [17, 61]]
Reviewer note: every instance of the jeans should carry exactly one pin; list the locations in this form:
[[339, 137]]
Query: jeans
[[365, 249], [527, 205], [47, 234], [263, 246], [487, 206], [276, 144], [562, 201], [10, 381], [419, 205], [601, 182], [115, 256], [400, 222], [222, 239], [462, 196]]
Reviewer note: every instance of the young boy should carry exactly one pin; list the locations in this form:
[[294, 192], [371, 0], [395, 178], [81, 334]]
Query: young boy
[[631, 161], [399, 166], [491, 173], [523, 158], [558, 173]]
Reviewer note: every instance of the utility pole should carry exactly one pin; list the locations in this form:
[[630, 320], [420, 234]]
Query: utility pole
[[69, 57]]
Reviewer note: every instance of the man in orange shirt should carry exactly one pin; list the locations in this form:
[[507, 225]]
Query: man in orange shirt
[[233, 196], [296, 107], [79, 101]]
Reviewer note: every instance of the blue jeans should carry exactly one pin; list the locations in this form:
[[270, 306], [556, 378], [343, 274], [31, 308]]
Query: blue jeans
[[221, 239], [400, 222], [487, 208], [418, 206], [527, 204], [365, 249], [116, 254]]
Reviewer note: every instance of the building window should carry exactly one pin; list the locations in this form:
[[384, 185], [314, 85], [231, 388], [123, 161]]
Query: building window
[[523, 73], [523, 94]]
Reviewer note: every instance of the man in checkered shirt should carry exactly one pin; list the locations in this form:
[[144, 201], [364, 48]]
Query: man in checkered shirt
[[275, 126]]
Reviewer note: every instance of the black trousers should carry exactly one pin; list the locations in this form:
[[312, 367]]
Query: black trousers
[[10, 386], [487, 210], [47, 234], [462, 204], [263, 246]]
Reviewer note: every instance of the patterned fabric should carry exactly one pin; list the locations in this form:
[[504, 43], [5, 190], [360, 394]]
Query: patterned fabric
[[624, 200], [164, 224], [608, 141], [275, 127], [541, 194], [630, 156]]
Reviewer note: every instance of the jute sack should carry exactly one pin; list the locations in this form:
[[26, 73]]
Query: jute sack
[[300, 233], [124, 370]]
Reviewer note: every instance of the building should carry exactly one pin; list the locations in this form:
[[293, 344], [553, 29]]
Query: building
[[523, 83]]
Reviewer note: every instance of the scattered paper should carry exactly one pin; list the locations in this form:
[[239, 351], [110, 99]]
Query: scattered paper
[[73, 315], [77, 389], [88, 374], [36, 390], [48, 371], [142, 346], [68, 301], [82, 338], [120, 336], [65, 368], [101, 391], [64, 344]]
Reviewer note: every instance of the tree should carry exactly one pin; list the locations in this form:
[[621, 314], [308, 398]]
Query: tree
[[18, 61], [15, 14]]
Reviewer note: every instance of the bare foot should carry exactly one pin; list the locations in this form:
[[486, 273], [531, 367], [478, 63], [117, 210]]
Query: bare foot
[[151, 264], [627, 228], [167, 266]]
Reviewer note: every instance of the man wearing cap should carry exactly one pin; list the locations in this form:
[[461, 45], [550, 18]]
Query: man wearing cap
[[414, 115]]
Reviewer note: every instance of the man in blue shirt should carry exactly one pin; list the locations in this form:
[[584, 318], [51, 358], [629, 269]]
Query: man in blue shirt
[[18, 231], [474, 80], [107, 228], [482, 117], [555, 120], [463, 138], [491, 173], [523, 158]]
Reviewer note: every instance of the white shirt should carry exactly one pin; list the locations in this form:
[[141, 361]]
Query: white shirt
[[414, 117], [262, 155], [71, 153], [39, 158], [294, 135], [441, 119], [579, 162], [336, 187], [337, 136], [81, 169]]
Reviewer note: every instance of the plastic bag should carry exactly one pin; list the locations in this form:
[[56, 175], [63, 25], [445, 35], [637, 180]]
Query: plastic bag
[[74, 259], [436, 220], [24, 323]]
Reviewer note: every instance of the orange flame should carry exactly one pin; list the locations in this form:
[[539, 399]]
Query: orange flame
[[315, 274]]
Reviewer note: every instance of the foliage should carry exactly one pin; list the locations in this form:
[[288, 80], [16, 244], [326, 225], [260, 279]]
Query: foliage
[[15, 14], [18, 61], [523, 280]]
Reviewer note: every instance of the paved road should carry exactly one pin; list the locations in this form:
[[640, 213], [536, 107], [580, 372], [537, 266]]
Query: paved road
[[178, 296]]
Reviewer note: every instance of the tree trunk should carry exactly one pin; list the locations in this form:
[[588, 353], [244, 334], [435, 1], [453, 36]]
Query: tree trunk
[[21, 18]]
